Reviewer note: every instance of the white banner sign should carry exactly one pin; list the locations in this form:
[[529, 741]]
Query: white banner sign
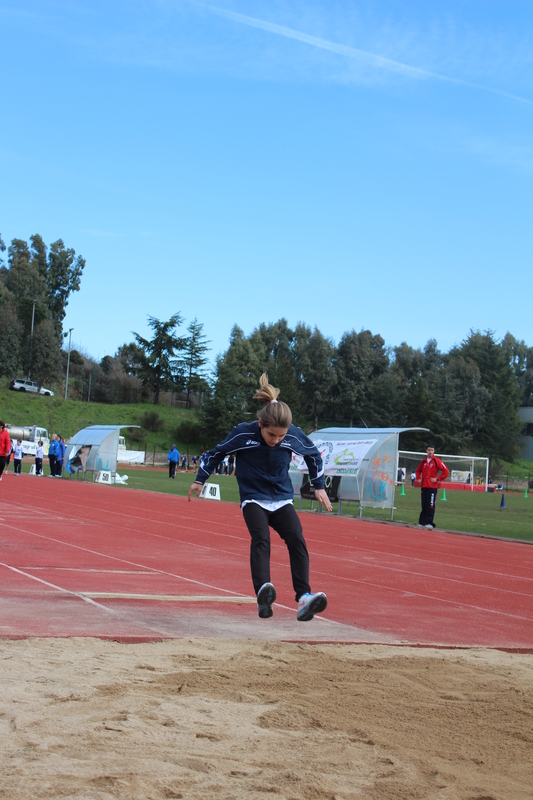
[[130, 456], [339, 457]]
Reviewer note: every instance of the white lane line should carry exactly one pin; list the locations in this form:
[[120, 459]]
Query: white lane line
[[190, 598], [318, 572], [396, 590], [361, 563], [89, 569], [177, 524], [178, 598], [20, 529], [157, 571], [79, 595]]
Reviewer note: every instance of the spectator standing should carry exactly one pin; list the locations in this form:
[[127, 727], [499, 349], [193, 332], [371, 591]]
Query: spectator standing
[[53, 451], [39, 455], [60, 456], [18, 455], [5, 448], [413, 479], [173, 460], [231, 464], [430, 471], [184, 463]]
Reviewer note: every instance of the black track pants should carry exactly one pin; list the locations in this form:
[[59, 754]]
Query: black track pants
[[429, 498], [286, 523]]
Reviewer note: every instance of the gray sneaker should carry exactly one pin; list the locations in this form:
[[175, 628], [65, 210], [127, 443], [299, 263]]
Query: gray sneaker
[[265, 599], [311, 604]]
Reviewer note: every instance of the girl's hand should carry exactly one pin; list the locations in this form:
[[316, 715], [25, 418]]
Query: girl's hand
[[323, 499], [195, 490]]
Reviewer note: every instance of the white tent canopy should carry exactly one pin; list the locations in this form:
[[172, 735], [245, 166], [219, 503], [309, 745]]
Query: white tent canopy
[[360, 464], [94, 448]]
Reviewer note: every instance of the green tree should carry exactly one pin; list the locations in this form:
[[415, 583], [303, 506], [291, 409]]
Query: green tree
[[520, 357], [314, 355], [63, 276], [40, 282], [194, 359], [527, 391], [151, 421], [464, 404], [417, 401], [131, 357], [497, 437], [236, 380], [159, 369], [10, 340], [39, 255], [278, 343], [26, 285], [46, 358], [360, 360], [189, 431]]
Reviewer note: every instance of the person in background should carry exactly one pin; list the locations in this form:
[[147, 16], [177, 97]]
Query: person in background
[[18, 455], [5, 447], [413, 479], [265, 450], [53, 451], [430, 471], [173, 460], [184, 463], [39, 455], [60, 456], [231, 464], [10, 455]]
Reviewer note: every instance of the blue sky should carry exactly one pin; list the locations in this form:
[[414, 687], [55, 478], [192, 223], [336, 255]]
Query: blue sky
[[346, 164]]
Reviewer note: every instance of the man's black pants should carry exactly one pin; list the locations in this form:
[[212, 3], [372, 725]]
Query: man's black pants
[[429, 498], [52, 460], [286, 523]]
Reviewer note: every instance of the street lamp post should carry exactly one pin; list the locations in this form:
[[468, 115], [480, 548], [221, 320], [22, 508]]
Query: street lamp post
[[68, 359], [31, 337]]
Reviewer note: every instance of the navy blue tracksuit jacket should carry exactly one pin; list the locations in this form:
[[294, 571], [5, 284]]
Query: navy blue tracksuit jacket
[[262, 471]]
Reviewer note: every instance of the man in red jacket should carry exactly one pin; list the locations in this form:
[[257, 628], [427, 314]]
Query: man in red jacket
[[430, 471], [5, 447]]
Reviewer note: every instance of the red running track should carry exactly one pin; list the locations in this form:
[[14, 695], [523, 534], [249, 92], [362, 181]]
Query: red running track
[[80, 559]]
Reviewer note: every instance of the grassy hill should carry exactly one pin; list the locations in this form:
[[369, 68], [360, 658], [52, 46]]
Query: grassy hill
[[66, 417]]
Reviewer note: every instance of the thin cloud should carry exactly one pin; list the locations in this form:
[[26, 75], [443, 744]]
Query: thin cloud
[[363, 56], [514, 155], [93, 232]]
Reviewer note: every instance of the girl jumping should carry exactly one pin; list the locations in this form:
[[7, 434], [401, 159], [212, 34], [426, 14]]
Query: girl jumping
[[265, 449]]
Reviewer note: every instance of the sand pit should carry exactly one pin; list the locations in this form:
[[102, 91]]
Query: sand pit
[[211, 718]]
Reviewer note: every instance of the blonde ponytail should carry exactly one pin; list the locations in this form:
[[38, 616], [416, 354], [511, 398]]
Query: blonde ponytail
[[275, 413]]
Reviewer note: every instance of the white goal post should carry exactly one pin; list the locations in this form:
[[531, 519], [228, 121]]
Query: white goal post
[[473, 470]]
